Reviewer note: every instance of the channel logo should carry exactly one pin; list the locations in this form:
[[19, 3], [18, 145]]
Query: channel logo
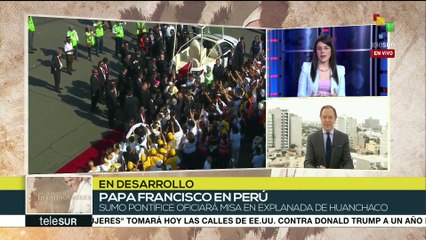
[[382, 45], [380, 21]]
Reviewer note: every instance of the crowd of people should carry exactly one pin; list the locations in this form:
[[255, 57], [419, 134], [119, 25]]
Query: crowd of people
[[174, 119]]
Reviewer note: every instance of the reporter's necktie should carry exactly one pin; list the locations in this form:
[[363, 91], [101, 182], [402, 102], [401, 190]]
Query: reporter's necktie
[[328, 151]]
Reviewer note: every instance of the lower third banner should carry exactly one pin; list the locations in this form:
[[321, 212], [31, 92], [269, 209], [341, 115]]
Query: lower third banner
[[255, 202]]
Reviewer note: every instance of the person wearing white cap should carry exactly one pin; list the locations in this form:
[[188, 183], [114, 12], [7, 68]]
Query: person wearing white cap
[[69, 50]]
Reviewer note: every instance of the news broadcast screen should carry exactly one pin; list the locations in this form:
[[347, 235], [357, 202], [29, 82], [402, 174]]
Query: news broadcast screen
[[218, 120], [158, 97]]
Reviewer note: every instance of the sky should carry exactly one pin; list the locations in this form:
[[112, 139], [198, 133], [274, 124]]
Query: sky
[[360, 108]]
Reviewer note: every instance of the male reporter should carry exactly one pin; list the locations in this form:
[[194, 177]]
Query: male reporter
[[328, 148]]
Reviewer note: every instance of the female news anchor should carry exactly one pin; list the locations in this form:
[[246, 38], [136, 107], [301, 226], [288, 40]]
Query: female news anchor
[[322, 77]]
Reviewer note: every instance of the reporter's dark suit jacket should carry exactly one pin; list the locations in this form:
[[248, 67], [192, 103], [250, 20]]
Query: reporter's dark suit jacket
[[340, 154]]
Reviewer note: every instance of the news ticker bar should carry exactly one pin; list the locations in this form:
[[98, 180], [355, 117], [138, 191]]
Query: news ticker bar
[[213, 221], [257, 221]]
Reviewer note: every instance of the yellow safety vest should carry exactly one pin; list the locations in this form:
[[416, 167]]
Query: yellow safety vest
[[99, 30], [119, 31], [140, 25], [74, 37], [31, 25], [90, 39], [208, 78]]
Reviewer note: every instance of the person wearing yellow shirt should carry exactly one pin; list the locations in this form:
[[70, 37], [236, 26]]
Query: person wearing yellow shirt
[[149, 162], [173, 161]]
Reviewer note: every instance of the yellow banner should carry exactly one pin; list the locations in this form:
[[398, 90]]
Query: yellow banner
[[258, 183], [12, 183]]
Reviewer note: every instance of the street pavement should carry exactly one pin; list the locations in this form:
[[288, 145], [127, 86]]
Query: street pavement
[[61, 125]]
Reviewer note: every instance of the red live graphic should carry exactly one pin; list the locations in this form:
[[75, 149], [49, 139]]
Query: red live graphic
[[382, 53]]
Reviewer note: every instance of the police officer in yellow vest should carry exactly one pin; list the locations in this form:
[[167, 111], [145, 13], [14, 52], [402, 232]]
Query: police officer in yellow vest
[[140, 29], [31, 32], [99, 37], [72, 33], [90, 41], [118, 30], [140, 26]]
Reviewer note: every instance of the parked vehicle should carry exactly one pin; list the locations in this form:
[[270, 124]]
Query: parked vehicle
[[202, 50]]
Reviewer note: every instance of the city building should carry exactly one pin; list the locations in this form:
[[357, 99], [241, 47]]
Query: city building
[[372, 147], [369, 162], [284, 129], [348, 125], [361, 141], [295, 130], [384, 142], [270, 129], [372, 124], [278, 130]]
